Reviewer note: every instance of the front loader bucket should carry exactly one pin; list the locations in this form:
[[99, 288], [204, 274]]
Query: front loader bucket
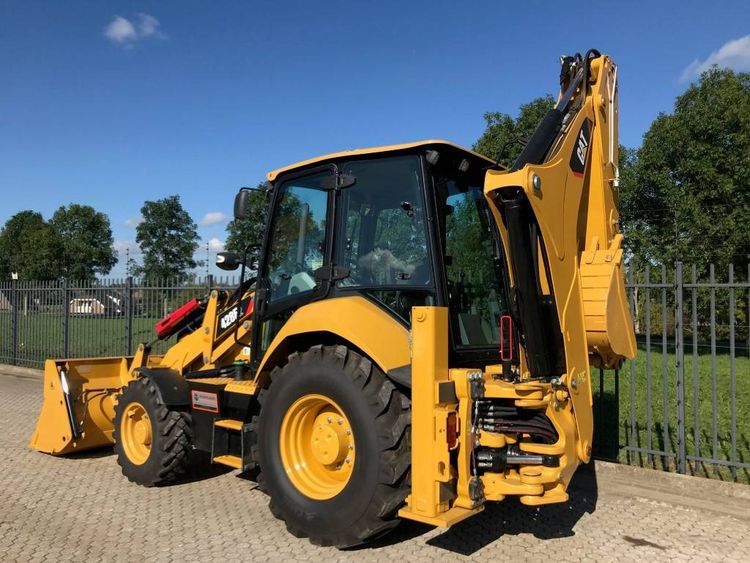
[[78, 408]]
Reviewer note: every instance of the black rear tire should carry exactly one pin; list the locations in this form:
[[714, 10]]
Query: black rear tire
[[171, 437], [380, 418]]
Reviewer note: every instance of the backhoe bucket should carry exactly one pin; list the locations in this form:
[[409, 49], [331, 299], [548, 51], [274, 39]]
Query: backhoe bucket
[[79, 400]]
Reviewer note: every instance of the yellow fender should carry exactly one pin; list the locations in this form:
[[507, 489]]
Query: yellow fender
[[354, 319]]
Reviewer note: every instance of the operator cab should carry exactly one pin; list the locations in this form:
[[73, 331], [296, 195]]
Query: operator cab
[[401, 226]]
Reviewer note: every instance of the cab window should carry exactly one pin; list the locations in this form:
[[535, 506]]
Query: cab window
[[384, 239], [474, 270], [298, 237]]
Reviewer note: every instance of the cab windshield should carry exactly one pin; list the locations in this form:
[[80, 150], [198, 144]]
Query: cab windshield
[[474, 267]]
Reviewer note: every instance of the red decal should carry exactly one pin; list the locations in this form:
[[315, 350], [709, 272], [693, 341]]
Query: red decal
[[506, 329], [204, 401]]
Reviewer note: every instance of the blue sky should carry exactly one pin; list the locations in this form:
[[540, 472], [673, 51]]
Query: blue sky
[[112, 103]]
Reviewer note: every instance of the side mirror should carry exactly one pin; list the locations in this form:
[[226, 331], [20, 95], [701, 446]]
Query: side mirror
[[228, 261], [241, 203]]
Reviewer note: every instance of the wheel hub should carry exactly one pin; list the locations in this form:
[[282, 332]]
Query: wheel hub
[[329, 443], [136, 433], [142, 433], [317, 446]]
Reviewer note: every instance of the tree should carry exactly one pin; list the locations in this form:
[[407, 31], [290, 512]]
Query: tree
[[688, 200], [132, 267], [503, 132], [85, 239], [249, 230], [29, 247], [168, 238], [634, 225]]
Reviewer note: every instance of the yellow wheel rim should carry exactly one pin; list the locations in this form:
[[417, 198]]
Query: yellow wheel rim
[[317, 447], [136, 433]]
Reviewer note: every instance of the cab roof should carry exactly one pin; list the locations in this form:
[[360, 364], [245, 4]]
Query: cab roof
[[373, 150]]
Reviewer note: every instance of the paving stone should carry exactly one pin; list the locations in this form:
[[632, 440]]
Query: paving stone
[[82, 508]]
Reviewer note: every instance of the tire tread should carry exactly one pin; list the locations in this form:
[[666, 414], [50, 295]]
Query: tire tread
[[392, 426], [173, 426]]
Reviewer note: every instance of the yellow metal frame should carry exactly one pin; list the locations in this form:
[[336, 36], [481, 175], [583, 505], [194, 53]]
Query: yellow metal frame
[[368, 151], [352, 319], [576, 214], [442, 495], [203, 349], [433, 478], [95, 383], [578, 220]]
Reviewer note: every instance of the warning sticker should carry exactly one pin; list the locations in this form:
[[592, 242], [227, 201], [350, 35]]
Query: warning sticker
[[204, 401]]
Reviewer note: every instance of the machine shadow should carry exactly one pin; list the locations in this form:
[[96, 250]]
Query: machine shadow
[[406, 530], [201, 469], [509, 517], [91, 454]]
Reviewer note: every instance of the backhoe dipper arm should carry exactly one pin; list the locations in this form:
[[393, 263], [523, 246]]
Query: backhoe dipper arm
[[557, 211]]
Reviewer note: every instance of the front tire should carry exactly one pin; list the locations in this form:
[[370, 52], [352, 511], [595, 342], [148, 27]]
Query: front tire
[[336, 487], [152, 441]]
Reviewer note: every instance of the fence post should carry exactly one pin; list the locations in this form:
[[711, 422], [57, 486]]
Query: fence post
[[631, 437], [732, 374], [679, 353], [129, 315], [66, 318], [14, 318]]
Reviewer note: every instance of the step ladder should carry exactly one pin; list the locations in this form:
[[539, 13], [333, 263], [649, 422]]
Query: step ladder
[[231, 443]]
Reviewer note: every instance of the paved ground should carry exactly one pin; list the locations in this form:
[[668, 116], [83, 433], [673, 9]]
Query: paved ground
[[83, 509]]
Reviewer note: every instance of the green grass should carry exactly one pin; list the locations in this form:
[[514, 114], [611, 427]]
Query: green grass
[[615, 427], [41, 336]]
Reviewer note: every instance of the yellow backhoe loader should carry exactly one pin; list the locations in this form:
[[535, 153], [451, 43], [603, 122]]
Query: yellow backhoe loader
[[418, 340]]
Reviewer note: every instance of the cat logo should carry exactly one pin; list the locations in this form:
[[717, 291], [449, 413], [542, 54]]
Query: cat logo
[[583, 144], [581, 150]]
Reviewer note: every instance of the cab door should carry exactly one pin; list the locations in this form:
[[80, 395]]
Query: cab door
[[297, 251]]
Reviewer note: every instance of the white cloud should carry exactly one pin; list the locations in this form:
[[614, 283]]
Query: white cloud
[[123, 246], [120, 30], [215, 245], [148, 26], [133, 222], [213, 218], [127, 32], [734, 54]]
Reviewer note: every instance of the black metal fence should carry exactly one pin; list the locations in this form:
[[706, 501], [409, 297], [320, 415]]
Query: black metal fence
[[61, 319], [682, 405]]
